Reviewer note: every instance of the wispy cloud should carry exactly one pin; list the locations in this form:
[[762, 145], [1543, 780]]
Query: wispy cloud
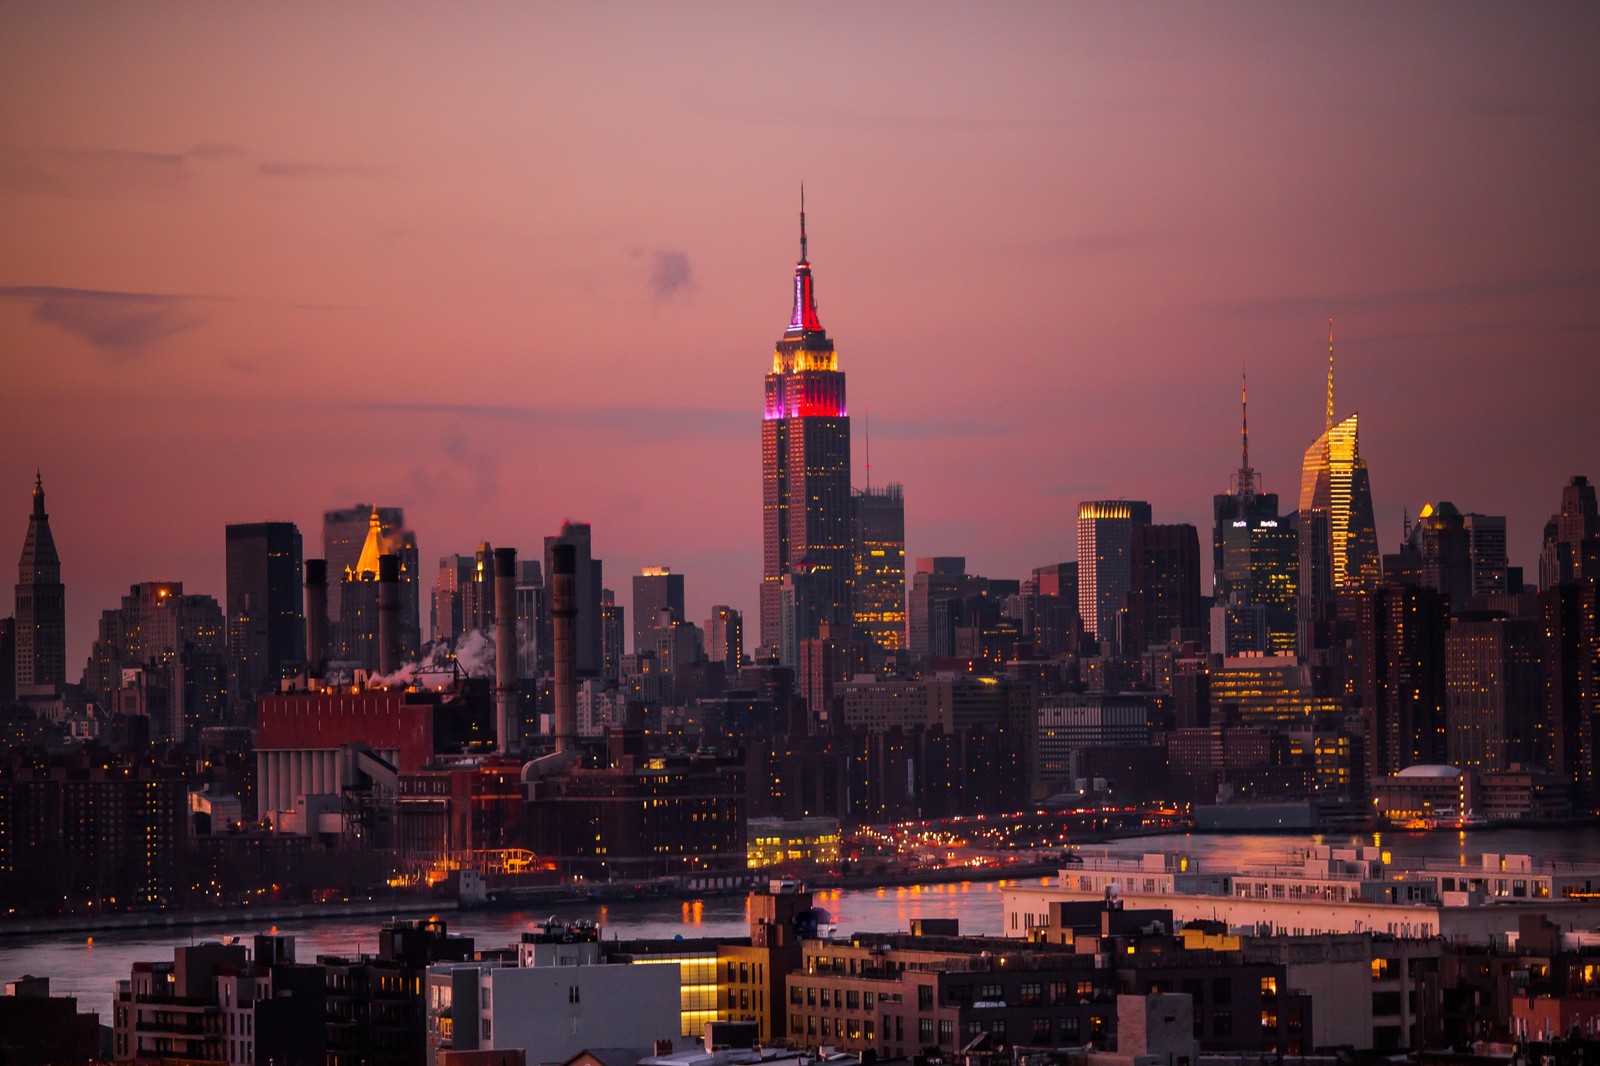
[[1395, 299], [121, 173], [669, 273], [280, 169], [640, 421], [120, 324]]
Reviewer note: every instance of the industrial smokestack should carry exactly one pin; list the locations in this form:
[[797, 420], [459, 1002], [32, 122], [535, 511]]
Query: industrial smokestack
[[564, 616], [388, 614], [316, 618], [506, 689]]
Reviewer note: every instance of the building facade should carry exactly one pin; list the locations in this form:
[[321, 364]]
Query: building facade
[[805, 473], [41, 603]]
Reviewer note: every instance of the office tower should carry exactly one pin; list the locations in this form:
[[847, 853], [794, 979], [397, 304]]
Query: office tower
[[1403, 677], [587, 574], [878, 517], [1243, 503], [1494, 690], [1261, 570], [41, 618], [805, 471], [266, 624], [450, 587], [613, 623], [1564, 736], [1486, 547], [725, 637], [8, 661], [344, 534], [1334, 479], [1164, 586], [1056, 625], [655, 589], [1570, 537], [1437, 554], [356, 630], [162, 655], [1105, 565], [530, 603], [938, 581]]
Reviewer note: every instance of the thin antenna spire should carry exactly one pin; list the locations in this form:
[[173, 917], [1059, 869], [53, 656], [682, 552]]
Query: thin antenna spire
[[803, 258], [1330, 374], [868, 427], [1246, 485], [1244, 417]]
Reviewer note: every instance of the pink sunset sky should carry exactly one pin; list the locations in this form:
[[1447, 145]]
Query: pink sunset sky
[[506, 264]]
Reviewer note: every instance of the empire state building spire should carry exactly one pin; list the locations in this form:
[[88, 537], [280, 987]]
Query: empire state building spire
[[805, 471], [804, 319]]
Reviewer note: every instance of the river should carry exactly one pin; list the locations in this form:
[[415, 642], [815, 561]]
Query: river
[[89, 967]]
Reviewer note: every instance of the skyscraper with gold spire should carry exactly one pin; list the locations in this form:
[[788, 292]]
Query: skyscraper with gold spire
[[805, 476], [1334, 480], [41, 603]]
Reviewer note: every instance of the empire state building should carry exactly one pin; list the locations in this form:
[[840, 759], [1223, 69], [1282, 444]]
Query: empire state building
[[805, 479]]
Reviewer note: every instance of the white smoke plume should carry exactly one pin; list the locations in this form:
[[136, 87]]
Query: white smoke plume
[[473, 653]]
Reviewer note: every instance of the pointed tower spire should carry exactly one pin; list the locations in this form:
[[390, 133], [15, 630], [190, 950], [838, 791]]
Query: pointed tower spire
[[38, 492], [1247, 476], [803, 258], [1330, 375], [804, 319]]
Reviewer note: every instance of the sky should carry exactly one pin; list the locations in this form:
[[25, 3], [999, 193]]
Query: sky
[[505, 265]]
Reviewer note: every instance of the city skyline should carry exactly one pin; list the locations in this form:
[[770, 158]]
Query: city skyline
[[1049, 243]]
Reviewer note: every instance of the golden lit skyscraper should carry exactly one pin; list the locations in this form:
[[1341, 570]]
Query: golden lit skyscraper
[[805, 474], [879, 519], [1334, 480]]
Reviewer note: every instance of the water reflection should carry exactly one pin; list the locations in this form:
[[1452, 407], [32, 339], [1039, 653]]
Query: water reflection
[[89, 968]]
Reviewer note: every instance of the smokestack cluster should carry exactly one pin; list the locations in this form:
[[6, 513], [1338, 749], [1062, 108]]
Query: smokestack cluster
[[506, 688], [564, 615], [388, 614], [316, 618]]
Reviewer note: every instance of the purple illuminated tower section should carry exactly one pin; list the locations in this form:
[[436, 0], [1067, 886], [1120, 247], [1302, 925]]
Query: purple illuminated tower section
[[805, 474]]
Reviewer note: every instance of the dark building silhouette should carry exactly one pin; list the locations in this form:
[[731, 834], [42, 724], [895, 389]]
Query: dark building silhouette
[[266, 625], [41, 604], [805, 474], [1495, 690], [655, 589], [725, 637], [1164, 586], [79, 831], [375, 1013], [8, 661], [1054, 625], [38, 1029], [162, 656], [1565, 734], [588, 581], [878, 522], [1437, 554], [1571, 547], [1403, 677]]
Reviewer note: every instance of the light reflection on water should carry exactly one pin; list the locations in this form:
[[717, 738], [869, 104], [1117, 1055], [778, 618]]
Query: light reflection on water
[[89, 967]]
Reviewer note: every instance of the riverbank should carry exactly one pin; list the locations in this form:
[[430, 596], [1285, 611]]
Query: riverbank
[[546, 895]]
